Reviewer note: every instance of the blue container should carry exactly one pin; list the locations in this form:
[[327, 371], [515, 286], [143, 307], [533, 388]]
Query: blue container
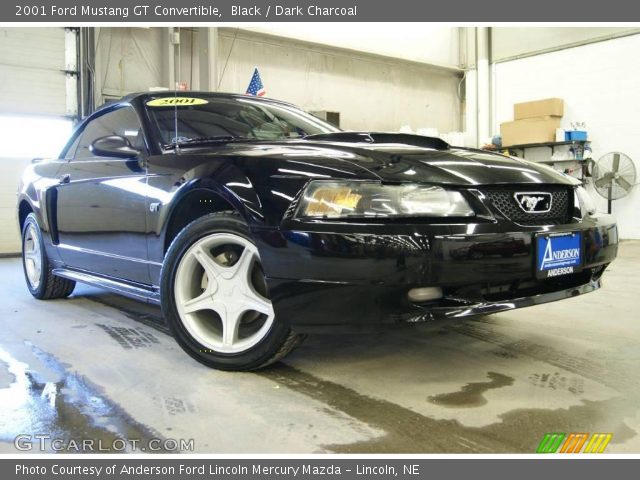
[[576, 135]]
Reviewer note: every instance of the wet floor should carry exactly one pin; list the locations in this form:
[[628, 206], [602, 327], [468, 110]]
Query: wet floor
[[98, 372], [471, 394], [56, 401]]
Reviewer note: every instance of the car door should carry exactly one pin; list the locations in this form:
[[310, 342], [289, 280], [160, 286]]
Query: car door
[[101, 213]]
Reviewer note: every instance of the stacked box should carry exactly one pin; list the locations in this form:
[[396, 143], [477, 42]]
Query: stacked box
[[535, 122]]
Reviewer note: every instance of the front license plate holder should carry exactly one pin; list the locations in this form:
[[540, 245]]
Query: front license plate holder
[[558, 254]]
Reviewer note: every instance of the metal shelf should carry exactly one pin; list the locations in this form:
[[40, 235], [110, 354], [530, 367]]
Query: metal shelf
[[551, 145], [564, 160]]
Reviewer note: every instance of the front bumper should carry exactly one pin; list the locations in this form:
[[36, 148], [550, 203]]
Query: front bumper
[[360, 274]]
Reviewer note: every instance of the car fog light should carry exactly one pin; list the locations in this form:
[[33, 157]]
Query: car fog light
[[425, 294], [596, 273]]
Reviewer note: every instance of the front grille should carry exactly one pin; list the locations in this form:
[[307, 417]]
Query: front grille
[[503, 200]]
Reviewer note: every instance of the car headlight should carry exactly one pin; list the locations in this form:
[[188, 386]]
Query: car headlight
[[335, 199], [586, 202]]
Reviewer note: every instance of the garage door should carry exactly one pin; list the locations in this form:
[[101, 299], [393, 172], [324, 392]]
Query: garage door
[[32, 100], [32, 80]]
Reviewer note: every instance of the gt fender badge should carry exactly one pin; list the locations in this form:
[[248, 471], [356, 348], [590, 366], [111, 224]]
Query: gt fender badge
[[176, 102], [154, 207]]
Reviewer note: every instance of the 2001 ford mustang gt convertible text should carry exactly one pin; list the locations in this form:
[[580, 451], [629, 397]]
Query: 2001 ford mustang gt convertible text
[[252, 222]]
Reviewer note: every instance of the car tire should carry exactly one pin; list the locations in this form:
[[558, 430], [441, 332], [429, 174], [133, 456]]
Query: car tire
[[38, 272], [227, 323]]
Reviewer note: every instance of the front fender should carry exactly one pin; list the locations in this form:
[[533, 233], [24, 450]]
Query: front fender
[[37, 194]]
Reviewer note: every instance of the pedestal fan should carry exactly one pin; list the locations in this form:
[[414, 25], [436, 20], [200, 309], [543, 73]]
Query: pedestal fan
[[614, 175]]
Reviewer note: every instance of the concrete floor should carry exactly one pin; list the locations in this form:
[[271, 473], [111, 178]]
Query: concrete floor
[[100, 366]]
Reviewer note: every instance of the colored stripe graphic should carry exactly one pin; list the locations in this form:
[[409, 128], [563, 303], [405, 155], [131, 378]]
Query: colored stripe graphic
[[598, 443], [550, 442], [573, 443], [581, 442]]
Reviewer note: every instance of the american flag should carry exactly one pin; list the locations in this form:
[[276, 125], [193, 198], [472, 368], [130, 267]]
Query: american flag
[[255, 85]]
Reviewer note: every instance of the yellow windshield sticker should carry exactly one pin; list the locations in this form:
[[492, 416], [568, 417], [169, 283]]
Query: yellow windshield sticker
[[176, 101]]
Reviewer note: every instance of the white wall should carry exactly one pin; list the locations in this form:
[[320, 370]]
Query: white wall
[[371, 93], [508, 42], [128, 60], [417, 42], [600, 84]]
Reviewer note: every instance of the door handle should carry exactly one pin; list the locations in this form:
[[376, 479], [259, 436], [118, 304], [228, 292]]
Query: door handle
[[62, 179]]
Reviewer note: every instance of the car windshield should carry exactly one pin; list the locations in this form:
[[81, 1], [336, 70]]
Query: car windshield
[[183, 120]]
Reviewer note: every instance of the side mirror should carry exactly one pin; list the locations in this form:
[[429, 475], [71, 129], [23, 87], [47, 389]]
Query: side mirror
[[113, 146]]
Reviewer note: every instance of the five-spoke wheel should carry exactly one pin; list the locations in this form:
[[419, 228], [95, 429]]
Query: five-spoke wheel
[[32, 256], [221, 294], [215, 297], [38, 271]]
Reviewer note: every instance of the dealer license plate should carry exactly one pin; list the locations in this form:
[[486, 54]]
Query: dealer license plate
[[558, 254]]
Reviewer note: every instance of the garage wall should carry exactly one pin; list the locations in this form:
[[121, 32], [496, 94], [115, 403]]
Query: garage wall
[[599, 88], [419, 42], [128, 60], [370, 92], [510, 42]]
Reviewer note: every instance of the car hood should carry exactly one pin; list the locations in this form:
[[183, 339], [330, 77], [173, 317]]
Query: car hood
[[398, 158]]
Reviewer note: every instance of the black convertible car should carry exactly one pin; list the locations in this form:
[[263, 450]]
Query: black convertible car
[[252, 222]]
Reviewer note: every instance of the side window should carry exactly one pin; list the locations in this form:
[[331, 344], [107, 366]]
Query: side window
[[123, 122], [71, 151]]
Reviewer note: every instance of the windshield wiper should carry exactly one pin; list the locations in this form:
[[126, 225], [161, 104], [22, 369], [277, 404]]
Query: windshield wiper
[[203, 140]]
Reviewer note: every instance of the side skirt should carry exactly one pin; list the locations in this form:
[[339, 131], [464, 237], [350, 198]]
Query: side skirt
[[137, 292]]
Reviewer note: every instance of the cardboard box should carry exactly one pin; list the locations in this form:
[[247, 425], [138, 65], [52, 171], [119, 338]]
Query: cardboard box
[[549, 107], [529, 130]]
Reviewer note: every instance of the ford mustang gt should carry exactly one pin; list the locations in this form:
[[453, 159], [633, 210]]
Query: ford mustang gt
[[252, 223]]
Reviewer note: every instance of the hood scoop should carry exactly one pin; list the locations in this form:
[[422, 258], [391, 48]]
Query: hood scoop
[[367, 137]]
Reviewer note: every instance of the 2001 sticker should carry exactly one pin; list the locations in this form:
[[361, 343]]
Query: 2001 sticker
[[176, 101]]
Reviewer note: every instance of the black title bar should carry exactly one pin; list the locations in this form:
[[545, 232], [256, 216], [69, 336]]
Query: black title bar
[[307, 469], [196, 11]]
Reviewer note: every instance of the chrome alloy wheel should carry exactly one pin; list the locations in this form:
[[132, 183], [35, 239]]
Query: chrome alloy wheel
[[221, 295], [32, 256]]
